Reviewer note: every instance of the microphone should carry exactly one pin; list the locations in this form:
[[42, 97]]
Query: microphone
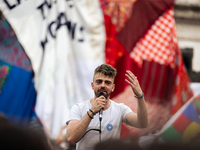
[[101, 111]]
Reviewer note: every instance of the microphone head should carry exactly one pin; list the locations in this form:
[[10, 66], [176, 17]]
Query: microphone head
[[101, 93]]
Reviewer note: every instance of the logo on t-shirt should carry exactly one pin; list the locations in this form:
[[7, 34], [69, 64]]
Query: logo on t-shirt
[[109, 127]]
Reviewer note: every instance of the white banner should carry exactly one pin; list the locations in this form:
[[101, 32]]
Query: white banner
[[64, 40]]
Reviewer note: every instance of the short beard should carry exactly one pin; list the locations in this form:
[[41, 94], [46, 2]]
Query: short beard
[[106, 96]]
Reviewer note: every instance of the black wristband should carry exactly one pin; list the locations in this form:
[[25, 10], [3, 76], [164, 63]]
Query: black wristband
[[89, 115], [92, 112]]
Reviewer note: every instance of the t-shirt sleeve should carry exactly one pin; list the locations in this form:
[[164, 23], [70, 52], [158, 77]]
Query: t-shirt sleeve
[[125, 110], [74, 114]]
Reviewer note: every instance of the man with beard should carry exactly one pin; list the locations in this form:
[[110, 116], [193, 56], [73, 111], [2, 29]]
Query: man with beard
[[85, 126]]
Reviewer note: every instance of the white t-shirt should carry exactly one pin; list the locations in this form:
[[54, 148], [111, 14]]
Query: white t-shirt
[[110, 125]]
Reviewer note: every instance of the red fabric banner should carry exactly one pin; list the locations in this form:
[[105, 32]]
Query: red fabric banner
[[131, 25]]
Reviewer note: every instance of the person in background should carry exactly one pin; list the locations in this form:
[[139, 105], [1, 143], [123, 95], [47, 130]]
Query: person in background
[[23, 138], [117, 144]]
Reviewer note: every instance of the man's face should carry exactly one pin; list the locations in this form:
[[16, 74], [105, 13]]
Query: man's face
[[102, 83]]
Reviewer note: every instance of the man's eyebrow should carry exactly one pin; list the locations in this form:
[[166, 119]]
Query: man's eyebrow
[[98, 79]]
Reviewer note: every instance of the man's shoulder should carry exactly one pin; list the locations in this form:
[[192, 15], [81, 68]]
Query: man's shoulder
[[82, 104], [116, 103]]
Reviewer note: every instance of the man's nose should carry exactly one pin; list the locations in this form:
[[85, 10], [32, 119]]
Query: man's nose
[[103, 84]]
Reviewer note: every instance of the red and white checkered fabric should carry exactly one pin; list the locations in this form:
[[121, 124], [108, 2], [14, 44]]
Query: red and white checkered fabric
[[159, 43]]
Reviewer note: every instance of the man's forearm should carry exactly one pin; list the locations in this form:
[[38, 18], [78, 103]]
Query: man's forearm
[[142, 113], [75, 132]]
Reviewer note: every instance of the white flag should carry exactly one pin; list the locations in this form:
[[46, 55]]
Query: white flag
[[65, 42]]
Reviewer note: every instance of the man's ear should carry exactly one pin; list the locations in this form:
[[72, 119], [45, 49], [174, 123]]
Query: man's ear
[[92, 85], [113, 88]]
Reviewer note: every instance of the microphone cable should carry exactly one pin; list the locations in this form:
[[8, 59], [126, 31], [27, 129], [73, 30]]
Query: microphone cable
[[87, 132], [99, 130]]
